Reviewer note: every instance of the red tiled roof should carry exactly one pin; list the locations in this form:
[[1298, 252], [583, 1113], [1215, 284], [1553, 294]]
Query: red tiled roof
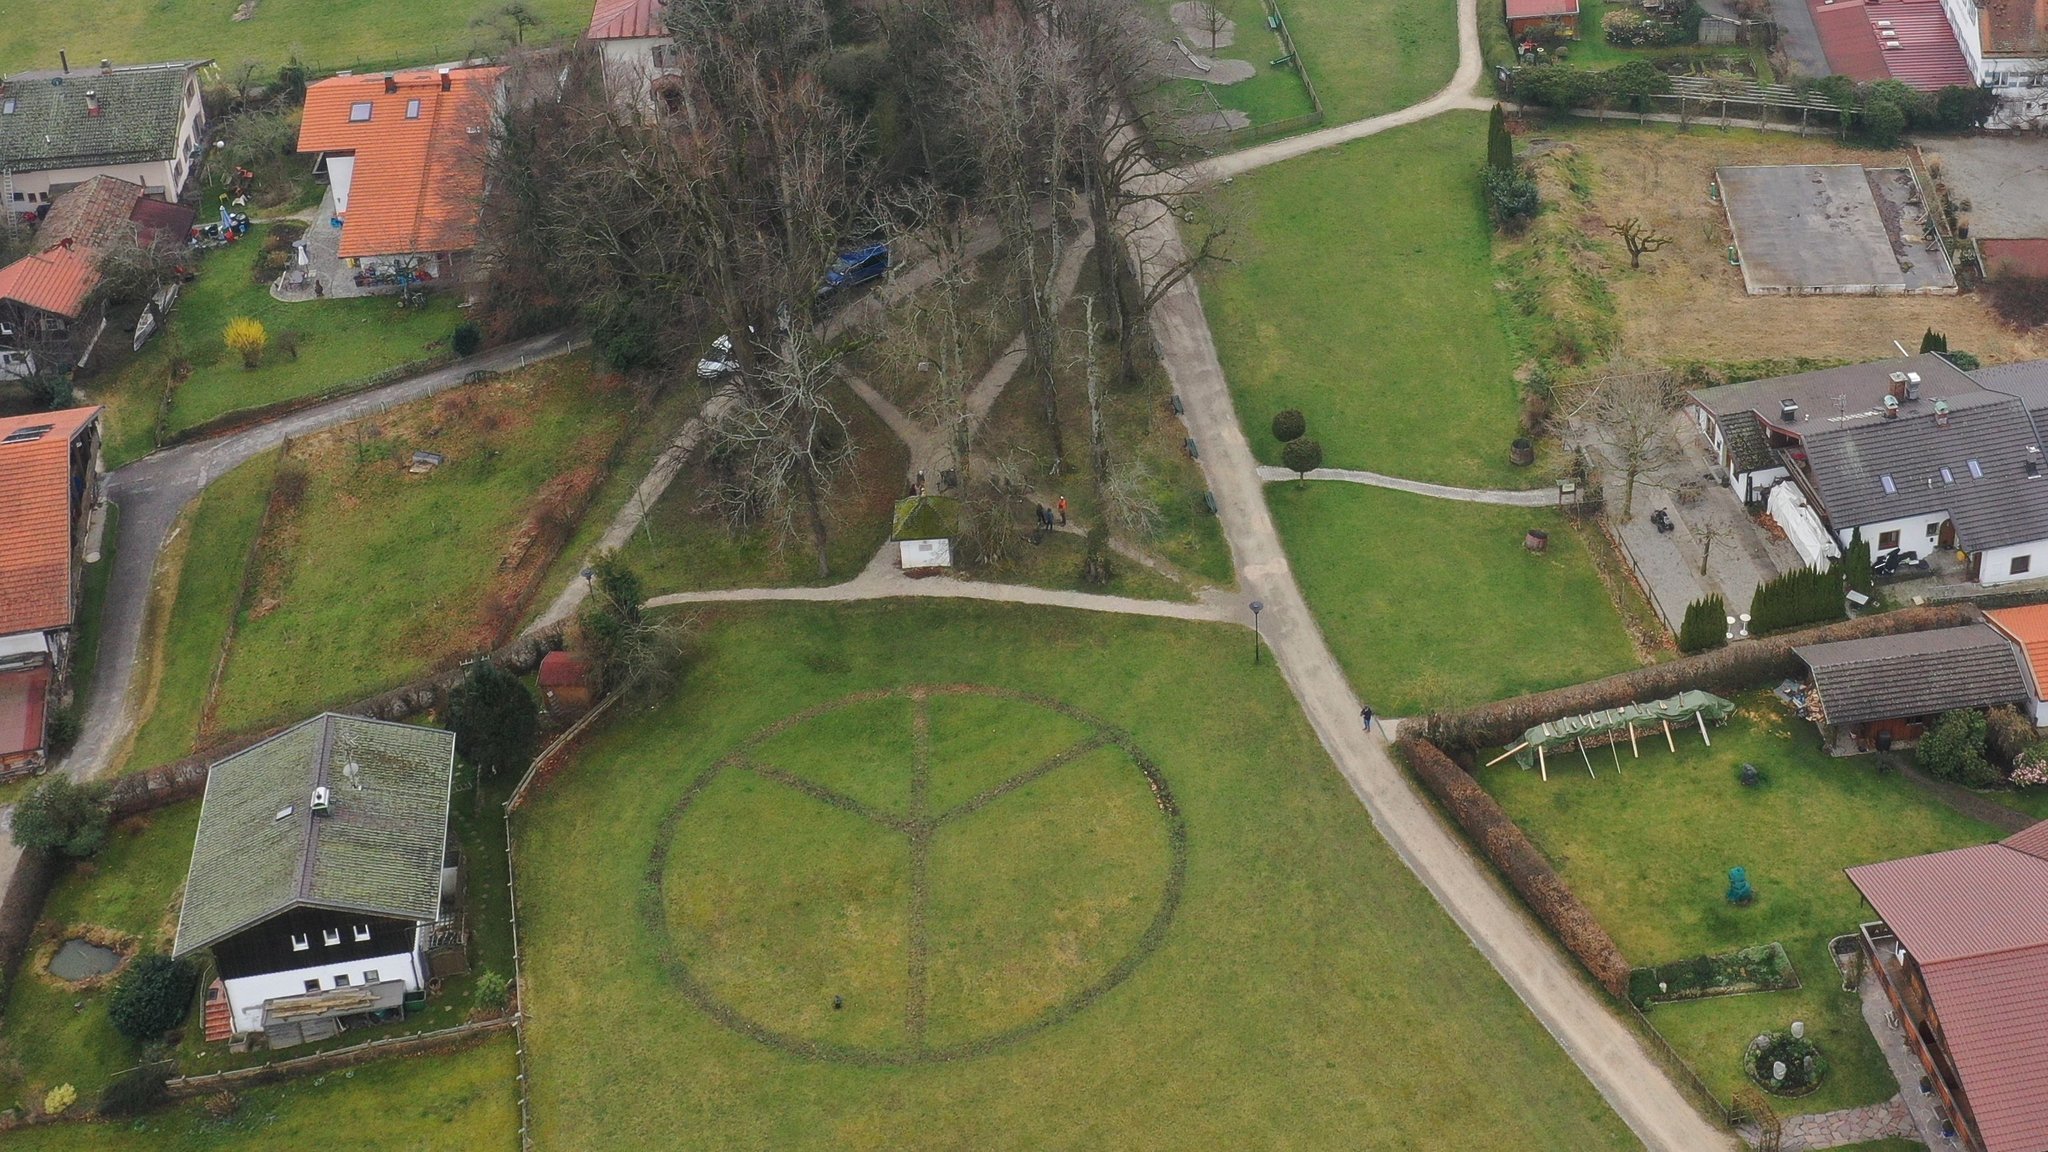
[[1927, 57], [417, 179], [35, 521], [640, 19], [563, 669], [106, 211], [2016, 25], [1976, 919], [56, 280], [2028, 627]]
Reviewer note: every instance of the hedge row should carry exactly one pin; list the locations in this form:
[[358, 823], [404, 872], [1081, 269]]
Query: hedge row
[[1725, 671], [1519, 862], [23, 907]]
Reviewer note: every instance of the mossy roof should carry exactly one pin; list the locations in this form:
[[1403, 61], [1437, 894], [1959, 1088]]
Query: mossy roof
[[925, 517]]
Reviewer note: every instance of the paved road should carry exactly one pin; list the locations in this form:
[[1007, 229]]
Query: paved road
[[153, 491], [1523, 498]]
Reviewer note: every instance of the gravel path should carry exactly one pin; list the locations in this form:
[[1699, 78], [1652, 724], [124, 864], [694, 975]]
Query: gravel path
[[1531, 498]]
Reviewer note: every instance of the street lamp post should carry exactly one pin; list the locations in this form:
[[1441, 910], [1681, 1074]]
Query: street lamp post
[[1256, 609]]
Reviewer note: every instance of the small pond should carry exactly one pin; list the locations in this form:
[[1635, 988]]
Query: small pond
[[81, 960]]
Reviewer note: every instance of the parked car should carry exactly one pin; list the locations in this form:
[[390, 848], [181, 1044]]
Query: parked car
[[720, 363], [856, 267]]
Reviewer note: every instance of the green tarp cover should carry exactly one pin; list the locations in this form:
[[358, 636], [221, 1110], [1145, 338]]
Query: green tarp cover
[[1569, 730]]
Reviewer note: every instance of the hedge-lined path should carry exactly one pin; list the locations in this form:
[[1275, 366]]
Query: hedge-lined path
[[1524, 498]]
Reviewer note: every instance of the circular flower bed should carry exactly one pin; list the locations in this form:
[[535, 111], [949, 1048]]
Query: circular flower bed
[[1804, 1066]]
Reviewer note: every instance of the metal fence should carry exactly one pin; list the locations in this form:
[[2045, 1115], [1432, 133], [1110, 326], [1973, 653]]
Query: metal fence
[[1255, 133]]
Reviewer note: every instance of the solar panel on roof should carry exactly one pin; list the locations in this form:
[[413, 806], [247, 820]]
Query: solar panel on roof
[[23, 435]]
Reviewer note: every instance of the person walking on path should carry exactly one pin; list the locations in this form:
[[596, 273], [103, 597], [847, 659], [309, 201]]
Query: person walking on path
[[1365, 714], [1063, 511]]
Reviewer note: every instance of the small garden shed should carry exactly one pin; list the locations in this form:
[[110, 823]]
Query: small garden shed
[[565, 683], [923, 529], [1881, 691]]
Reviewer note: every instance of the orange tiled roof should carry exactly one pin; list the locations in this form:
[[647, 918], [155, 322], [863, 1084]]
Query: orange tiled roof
[[417, 178], [57, 279], [2028, 627], [35, 521], [626, 20]]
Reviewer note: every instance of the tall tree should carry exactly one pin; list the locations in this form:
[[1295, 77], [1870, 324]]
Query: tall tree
[[1500, 146], [1626, 418], [492, 715]]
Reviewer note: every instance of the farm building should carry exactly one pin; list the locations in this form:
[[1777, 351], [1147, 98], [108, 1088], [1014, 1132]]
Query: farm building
[[49, 490], [324, 881]]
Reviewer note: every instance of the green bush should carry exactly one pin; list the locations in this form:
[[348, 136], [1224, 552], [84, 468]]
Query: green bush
[[1302, 456], [492, 715], [1500, 146], [65, 728], [1626, 28], [1954, 749], [151, 996], [493, 991], [1854, 564], [1511, 197], [2008, 736], [137, 1090], [1705, 626], [63, 817], [1289, 425], [466, 339], [1799, 597]]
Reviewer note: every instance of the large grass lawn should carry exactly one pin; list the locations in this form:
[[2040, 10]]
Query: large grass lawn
[[1363, 294], [464, 1101], [326, 34], [340, 342], [1370, 58], [1302, 963], [199, 575], [1433, 603], [1648, 849], [378, 575]]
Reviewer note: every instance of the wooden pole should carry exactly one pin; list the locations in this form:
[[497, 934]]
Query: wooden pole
[[1614, 747], [1637, 752], [1702, 718], [1506, 754], [1667, 734], [1588, 759], [1540, 765]]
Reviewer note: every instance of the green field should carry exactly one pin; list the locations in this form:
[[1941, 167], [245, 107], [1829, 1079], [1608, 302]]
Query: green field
[[1300, 963], [1434, 603], [1363, 294], [206, 567], [1648, 849], [340, 342], [464, 1101], [380, 575], [1366, 59], [327, 34]]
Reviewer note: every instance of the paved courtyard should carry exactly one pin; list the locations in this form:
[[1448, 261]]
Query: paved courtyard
[[2002, 178], [1826, 229]]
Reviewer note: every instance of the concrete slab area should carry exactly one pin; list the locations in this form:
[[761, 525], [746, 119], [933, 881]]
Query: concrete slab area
[[2004, 177], [1821, 229]]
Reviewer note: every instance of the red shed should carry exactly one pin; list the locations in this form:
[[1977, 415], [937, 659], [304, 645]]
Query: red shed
[[565, 682], [1522, 15]]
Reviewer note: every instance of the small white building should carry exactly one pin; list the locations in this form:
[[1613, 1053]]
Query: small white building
[[633, 38], [143, 123], [923, 529], [320, 872]]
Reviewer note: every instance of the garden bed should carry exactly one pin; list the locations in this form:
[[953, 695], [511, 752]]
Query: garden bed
[[1763, 968]]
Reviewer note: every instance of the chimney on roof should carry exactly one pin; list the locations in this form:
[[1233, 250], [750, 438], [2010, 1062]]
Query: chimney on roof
[[1912, 386], [92, 102], [1788, 410], [447, 79], [1897, 391], [106, 66], [321, 799], [391, 82], [1941, 413], [64, 61], [1891, 407]]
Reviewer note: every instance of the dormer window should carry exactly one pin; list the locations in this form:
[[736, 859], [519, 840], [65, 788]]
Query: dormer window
[[301, 942], [1890, 489], [359, 112], [412, 109], [330, 936], [362, 932]]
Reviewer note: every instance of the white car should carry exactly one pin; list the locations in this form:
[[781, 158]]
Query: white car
[[720, 363]]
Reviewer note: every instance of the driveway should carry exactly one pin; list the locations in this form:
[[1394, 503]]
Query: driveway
[[1799, 38]]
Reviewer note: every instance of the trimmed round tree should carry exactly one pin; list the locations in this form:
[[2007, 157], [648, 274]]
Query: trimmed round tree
[[63, 817], [1288, 425], [152, 994], [493, 718], [1302, 456]]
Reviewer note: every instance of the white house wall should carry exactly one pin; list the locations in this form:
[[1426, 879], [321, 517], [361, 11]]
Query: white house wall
[[246, 994], [1912, 530], [341, 175], [630, 66], [1996, 566]]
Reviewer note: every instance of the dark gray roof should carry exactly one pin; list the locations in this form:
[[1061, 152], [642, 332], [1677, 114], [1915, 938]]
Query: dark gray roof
[[2003, 506], [1914, 674], [140, 109], [1747, 449], [1835, 397], [378, 848], [2027, 380]]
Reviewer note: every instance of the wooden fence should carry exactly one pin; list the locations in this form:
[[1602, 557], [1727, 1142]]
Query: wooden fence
[[180, 1087]]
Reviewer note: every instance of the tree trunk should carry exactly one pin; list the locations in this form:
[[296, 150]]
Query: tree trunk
[[1039, 339], [1098, 440], [1628, 490], [817, 515]]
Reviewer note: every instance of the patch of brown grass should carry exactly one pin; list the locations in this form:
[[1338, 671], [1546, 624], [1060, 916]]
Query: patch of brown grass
[[1687, 302]]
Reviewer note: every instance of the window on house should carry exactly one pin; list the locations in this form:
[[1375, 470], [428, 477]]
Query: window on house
[[341, 979], [301, 942], [313, 985], [362, 931], [1889, 487], [1947, 477], [7, 109], [332, 936], [1976, 471], [1888, 540], [1934, 530], [369, 976], [359, 112], [2022, 565], [412, 109]]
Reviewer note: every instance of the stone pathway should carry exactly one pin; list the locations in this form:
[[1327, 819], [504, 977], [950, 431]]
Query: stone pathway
[[1848, 1126], [1532, 498], [1921, 1123]]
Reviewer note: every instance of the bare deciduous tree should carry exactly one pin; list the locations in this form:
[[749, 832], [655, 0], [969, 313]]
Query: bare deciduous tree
[[781, 447], [1626, 418], [1638, 238], [1127, 501]]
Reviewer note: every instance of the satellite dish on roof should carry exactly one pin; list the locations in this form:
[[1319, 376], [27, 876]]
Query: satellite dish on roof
[[354, 772]]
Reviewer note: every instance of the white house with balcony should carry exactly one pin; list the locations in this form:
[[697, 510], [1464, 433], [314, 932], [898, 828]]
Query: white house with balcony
[[2006, 44], [142, 123]]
